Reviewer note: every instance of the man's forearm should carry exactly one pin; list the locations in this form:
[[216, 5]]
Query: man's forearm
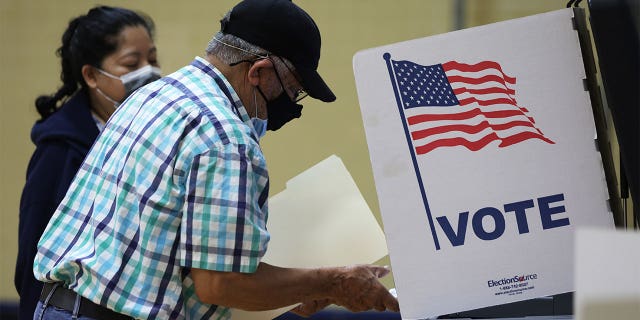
[[270, 287]]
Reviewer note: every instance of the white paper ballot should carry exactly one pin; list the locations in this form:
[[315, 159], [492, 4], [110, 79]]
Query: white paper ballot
[[320, 220]]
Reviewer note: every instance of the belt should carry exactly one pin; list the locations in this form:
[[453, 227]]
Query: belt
[[65, 298]]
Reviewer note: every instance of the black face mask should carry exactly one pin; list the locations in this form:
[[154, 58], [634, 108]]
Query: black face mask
[[280, 110]]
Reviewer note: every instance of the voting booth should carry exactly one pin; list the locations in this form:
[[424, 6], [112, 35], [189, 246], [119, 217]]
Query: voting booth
[[486, 152]]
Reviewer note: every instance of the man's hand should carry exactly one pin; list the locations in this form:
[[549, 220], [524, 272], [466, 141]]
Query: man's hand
[[357, 288]]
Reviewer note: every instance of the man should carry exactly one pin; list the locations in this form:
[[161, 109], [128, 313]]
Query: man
[[166, 218]]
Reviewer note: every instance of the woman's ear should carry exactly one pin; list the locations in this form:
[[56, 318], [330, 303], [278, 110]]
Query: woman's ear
[[89, 75], [257, 70]]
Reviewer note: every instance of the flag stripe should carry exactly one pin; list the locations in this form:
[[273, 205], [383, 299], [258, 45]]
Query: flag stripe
[[479, 80], [519, 137], [465, 115], [484, 65], [471, 145], [479, 144], [464, 102], [421, 134], [484, 91]]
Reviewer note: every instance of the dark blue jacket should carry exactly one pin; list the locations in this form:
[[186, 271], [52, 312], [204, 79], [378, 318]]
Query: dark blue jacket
[[62, 142]]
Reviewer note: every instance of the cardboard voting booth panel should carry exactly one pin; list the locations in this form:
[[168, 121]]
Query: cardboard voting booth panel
[[483, 153], [607, 274]]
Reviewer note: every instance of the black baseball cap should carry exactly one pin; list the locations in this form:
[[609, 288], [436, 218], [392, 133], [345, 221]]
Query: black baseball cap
[[285, 30]]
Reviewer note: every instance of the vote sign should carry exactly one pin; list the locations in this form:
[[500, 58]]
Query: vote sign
[[483, 153]]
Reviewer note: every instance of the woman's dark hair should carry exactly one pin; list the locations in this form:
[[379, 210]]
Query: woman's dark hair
[[88, 40]]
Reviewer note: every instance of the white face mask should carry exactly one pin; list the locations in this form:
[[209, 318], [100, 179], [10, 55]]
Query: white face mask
[[116, 104], [133, 80]]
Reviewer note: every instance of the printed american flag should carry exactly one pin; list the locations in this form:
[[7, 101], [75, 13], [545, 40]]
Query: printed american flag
[[458, 104]]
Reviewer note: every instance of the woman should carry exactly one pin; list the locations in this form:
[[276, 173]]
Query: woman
[[106, 54]]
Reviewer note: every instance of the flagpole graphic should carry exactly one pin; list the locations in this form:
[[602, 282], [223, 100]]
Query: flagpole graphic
[[387, 58]]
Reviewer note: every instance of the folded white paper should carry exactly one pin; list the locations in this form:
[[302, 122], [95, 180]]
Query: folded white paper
[[320, 220]]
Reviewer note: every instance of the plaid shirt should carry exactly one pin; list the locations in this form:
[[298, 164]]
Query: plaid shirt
[[175, 181]]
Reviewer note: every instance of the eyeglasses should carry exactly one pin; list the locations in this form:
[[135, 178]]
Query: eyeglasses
[[300, 93]]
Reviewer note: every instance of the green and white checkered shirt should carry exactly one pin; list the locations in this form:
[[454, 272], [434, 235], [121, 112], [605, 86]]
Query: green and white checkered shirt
[[176, 180]]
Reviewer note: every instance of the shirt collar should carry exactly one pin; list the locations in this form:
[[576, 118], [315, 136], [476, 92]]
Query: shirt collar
[[206, 67]]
